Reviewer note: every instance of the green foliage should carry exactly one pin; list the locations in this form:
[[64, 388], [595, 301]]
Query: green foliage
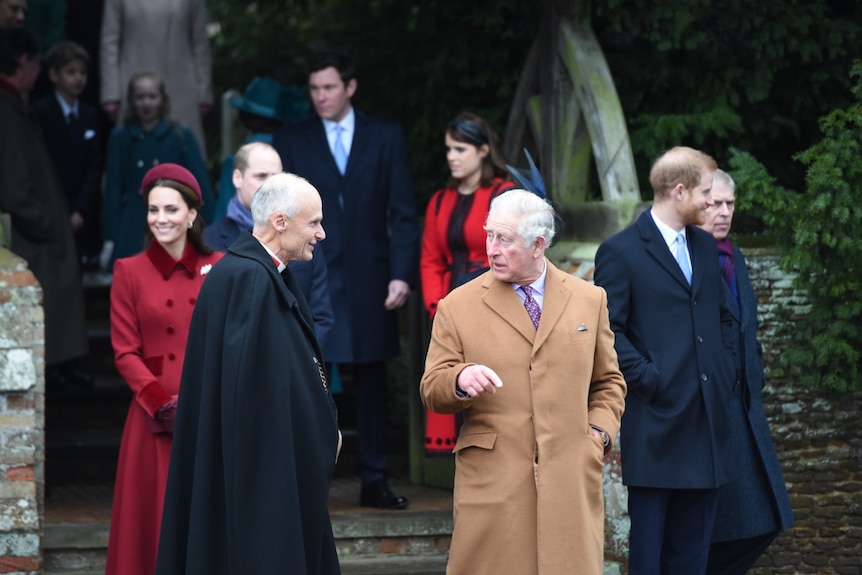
[[714, 75], [421, 62], [821, 229]]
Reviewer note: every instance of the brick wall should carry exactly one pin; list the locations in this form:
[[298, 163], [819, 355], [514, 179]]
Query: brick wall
[[22, 400], [819, 442]]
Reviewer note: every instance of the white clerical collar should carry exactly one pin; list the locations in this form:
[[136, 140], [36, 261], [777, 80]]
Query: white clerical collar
[[281, 265]]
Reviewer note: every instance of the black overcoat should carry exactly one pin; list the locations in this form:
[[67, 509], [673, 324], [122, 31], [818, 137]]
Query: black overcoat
[[676, 351], [256, 432], [310, 276], [756, 501], [372, 235]]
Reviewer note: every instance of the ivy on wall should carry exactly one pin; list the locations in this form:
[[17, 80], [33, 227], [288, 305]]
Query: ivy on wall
[[821, 230]]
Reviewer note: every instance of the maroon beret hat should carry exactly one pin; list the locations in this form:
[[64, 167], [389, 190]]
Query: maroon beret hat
[[172, 172]]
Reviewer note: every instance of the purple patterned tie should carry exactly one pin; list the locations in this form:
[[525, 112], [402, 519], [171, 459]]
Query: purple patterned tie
[[532, 307]]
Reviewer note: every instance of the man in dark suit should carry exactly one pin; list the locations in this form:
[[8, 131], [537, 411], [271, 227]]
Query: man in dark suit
[[253, 164], [359, 165], [754, 507], [676, 351], [71, 129]]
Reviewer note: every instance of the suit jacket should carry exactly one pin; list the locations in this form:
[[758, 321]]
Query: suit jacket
[[756, 501], [557, 380], [78, 162], [310, 276], [256, 432], [677, 352], [372, 235]]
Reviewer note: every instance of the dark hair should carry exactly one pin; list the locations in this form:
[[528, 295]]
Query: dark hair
[[195, 234], [333, 59], [129, 114], [63, 53], [15, 42], [473, 129]]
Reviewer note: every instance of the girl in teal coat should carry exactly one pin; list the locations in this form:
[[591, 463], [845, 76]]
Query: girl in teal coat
[[146, 138]]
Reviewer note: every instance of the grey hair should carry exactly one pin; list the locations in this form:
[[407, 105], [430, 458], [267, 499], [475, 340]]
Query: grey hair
[[536, 215], [277, 194], [720, 177]]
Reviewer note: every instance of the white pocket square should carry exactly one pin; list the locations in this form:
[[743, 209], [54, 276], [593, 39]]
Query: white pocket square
[[582, 327]]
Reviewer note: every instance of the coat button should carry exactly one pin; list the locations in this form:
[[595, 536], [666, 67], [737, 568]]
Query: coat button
[[703, 377], [172, 356], [192, 300], [170, 329], [169, 303], [699, 339]]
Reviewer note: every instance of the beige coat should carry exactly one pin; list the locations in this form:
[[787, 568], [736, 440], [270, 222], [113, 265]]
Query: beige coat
[[168, 37], [528, 480]]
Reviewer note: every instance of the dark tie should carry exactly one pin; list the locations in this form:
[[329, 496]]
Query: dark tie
[[532, 307], [74, 127]]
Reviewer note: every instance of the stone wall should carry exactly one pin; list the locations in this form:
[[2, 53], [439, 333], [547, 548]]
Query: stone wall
[[819, 442], [22, 400]]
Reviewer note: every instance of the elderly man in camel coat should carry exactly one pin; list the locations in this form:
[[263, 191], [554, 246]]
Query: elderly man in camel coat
[[535, 374]]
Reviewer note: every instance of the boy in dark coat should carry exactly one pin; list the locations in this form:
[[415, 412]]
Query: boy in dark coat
[[71, 130]]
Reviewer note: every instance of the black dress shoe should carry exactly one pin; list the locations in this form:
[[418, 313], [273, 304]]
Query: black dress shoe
[[379, 495]]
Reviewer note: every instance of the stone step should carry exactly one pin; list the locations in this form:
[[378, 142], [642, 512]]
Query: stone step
[[382, 565], [414, 541]]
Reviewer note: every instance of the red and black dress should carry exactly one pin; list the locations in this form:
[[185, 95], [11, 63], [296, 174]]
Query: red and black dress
[[453, 253]]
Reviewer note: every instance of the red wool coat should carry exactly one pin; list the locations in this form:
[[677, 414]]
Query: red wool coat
[[152, 298], [439, 255]]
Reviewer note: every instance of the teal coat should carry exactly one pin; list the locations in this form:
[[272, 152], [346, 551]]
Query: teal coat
[[132, 151]]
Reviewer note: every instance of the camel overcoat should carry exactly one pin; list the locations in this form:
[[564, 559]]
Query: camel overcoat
[[528, 478]]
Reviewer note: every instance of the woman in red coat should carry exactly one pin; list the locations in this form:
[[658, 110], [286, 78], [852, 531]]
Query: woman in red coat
[[453, 241], [152, 298]]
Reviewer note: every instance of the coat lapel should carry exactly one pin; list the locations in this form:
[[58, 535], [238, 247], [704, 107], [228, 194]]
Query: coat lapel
[[698, 260], [657, 248], [502, 300], [556, 299], [361, 137], [318, 142], [247, 246]]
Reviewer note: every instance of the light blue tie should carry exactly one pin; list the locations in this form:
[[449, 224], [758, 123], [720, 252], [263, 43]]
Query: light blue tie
[[682, 256], [338, 151]]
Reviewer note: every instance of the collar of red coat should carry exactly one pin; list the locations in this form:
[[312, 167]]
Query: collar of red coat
[[9, 87], [164, 262]]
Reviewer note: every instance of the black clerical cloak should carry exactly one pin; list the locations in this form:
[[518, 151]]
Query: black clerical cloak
[[256, 432]]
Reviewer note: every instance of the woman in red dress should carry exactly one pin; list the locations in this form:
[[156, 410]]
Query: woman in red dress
[[152, 298], [453, 241]]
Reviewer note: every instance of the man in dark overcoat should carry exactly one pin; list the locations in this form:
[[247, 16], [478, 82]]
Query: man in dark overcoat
[[754, 507], [31, 194], [359, 164], [676, 351], [253, 164], [256, 436]]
